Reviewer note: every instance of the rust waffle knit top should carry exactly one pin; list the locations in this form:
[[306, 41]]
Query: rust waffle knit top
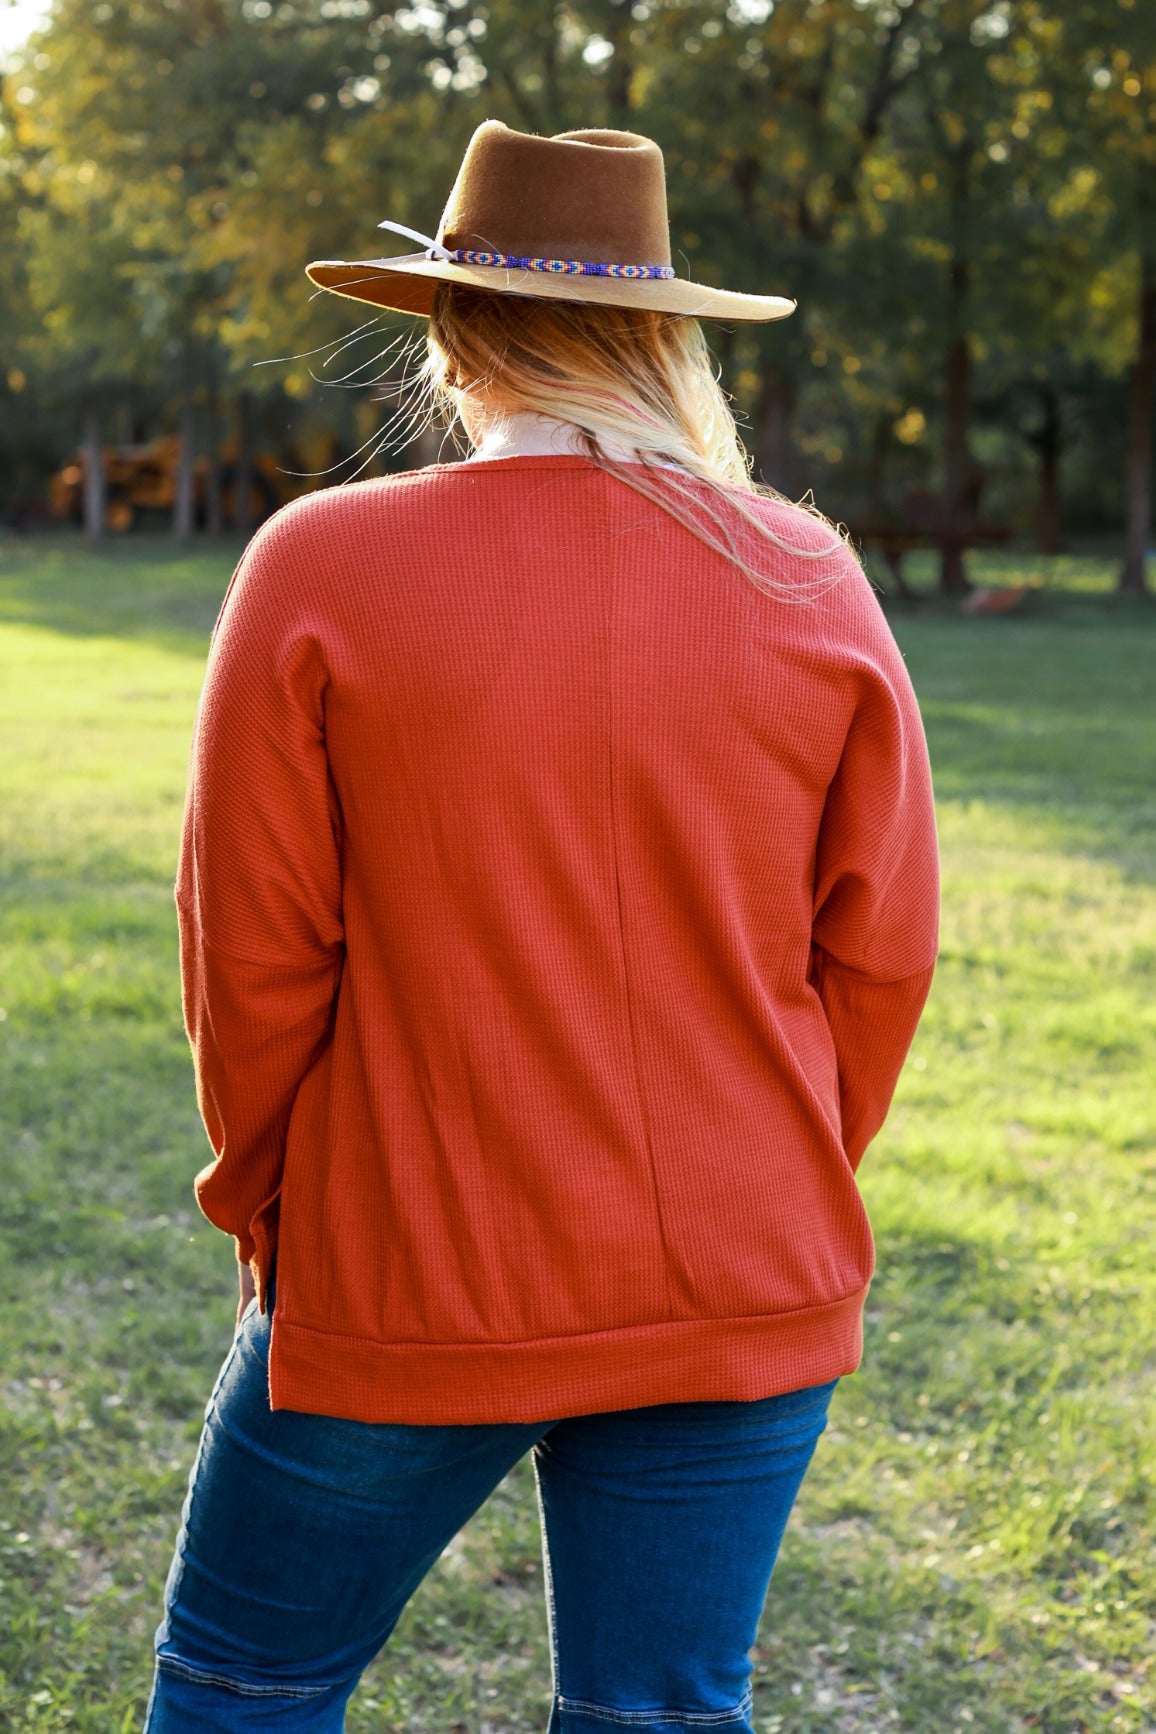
[[556, 911]]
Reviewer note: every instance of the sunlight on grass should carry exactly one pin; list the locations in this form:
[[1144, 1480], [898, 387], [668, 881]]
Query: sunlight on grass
[[1057, 574], [974, 1548]]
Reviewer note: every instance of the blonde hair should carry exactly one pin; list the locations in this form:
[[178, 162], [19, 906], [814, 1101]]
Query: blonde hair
[[634, 378]]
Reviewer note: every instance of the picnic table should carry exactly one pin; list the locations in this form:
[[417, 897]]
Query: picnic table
[[921, 522]]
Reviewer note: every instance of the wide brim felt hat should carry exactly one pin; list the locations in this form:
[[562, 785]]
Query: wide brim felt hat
[[577, 217]]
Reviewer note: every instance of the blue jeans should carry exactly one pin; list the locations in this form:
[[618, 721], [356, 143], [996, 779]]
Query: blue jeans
[[303, 1537]]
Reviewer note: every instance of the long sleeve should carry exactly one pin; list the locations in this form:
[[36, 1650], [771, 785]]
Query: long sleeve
[[258, 890], [875, 928]]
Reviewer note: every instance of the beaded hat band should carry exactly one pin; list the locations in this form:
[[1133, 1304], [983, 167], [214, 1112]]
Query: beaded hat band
[[533, 262], [559, 267]]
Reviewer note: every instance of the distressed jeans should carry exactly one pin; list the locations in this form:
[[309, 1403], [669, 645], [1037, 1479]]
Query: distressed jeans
[[303, 1537]]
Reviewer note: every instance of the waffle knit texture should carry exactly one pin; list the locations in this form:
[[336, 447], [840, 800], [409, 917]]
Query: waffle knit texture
[[556, 912]]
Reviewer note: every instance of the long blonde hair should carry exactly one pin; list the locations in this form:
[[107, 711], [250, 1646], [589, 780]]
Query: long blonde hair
[[628, 377]]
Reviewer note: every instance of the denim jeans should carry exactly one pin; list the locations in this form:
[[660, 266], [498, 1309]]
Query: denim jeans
[[303, 1537]]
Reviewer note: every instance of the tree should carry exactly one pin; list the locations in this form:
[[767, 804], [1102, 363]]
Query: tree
[[134, 124], [958, 179], [768, 114], [1110, 98]]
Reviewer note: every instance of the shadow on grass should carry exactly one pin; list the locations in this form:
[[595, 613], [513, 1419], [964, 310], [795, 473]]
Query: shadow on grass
[[1052, 715], [968, 1507], [143, 588]]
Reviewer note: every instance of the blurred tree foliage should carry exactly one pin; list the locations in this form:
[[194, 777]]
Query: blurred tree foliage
[[959, 192]]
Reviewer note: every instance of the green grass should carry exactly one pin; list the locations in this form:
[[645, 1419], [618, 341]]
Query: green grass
[[974, 1548]]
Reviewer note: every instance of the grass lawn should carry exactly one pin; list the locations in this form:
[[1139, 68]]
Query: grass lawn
[[975, 1546]]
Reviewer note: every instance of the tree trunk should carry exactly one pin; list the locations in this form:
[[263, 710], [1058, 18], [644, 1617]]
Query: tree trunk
[[94, 491], [183, 501], [243, 484], [877, 467], [722, 345], [773, 429], [956, 414], [1132, 579], [550, 64], [1048, 442], [879, 516], [212, 479], [620, 70]]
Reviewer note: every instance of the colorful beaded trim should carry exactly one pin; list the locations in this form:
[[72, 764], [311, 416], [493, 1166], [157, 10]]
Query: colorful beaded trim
[[562, 267]]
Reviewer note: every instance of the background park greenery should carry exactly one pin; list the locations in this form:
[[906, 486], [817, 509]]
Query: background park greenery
[[976, 1548], [961, 193]]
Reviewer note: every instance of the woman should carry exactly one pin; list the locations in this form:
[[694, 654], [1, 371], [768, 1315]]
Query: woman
[[557, 903]]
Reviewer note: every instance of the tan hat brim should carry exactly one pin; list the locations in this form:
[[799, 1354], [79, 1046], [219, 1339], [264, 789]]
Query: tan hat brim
[[407, 285]]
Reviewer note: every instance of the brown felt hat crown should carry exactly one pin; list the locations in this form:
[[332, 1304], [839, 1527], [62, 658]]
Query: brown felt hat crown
[[580, 198]]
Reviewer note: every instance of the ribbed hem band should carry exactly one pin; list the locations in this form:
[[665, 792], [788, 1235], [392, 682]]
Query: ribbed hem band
[[440, 1384]]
